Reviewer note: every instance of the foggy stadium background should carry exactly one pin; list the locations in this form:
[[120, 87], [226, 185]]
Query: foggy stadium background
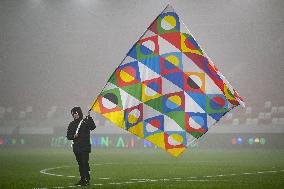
[[58, 54]]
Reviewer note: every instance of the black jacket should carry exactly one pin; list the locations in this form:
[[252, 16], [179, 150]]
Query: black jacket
[[82, 142]]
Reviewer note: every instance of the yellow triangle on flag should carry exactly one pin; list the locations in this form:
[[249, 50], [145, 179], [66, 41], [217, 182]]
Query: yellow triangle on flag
[[157, 139], [137, 130], [96, 107], [117, 118], [176, 151]]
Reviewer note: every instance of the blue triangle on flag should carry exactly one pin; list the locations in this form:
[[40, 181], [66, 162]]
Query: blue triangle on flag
[[176, 78], [155, 122], [153, 63], [132, 52], [217, 116], [199, 98]]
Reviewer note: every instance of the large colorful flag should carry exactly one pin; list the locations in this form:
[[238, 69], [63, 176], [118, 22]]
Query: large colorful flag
[[166, 90]]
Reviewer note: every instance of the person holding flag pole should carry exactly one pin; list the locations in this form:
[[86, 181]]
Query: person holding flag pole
[[79, 132]]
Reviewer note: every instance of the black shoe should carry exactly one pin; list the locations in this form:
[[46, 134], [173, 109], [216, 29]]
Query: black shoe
[[85, 183], [79, 183], [88, 178]]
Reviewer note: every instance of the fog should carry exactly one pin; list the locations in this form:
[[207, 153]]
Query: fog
[[58, 54]]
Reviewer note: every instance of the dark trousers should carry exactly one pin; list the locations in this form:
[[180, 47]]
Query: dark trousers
[[83, 162]]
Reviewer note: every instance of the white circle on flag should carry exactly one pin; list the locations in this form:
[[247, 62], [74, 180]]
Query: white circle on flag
[[196, 80], [135, 113], [133, 116], [150, 128], [168, 22], [108, 104], [149, 44], [193, 124], [173, 141]]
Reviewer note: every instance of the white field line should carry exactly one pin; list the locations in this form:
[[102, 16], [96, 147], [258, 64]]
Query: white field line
[[45, 171], [144, 180]]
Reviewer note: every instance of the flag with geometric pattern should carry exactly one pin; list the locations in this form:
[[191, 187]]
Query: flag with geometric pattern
[[166, 90]]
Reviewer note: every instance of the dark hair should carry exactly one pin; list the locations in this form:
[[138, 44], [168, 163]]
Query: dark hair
[[78, 110]]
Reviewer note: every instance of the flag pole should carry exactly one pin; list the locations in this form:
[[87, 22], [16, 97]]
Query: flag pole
[[94, 102]]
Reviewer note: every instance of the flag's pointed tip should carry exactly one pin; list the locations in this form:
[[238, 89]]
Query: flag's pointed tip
[[168, 5], [242, 103], [239, 99], [169, 8], [176, 152]]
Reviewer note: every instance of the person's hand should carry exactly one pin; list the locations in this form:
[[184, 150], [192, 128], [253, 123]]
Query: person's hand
[[88, 114], [76, 135]]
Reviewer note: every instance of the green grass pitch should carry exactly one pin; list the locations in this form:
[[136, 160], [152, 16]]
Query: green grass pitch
[[143, 168]]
